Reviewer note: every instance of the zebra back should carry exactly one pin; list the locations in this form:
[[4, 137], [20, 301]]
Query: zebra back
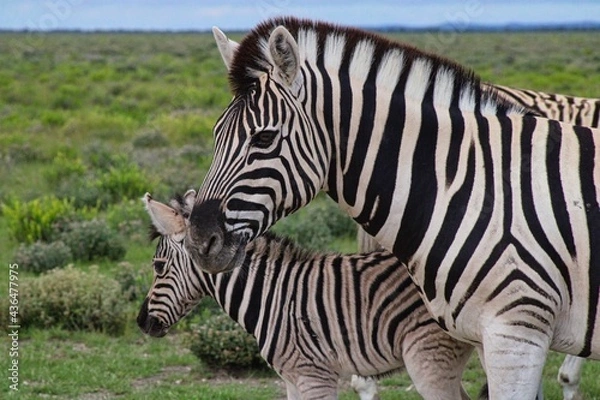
[[570, 109]]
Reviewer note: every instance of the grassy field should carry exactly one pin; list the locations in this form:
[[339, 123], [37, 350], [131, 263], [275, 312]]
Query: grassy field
[[75, 107]]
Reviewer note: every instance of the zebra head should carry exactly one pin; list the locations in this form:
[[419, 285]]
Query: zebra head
[[267, 163], [176, 289]]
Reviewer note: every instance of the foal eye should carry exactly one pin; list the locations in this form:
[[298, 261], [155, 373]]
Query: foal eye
[[263, 139], [159, 266]]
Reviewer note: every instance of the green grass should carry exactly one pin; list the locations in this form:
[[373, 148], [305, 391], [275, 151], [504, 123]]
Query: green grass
[[151, 100], [64, 364]]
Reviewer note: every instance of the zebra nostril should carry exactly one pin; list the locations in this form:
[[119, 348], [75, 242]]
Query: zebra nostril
[[214, 245]]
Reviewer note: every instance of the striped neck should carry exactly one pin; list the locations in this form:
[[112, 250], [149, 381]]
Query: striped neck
[[239, 293]]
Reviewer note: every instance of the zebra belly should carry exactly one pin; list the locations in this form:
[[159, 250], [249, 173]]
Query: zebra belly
[[506, 293]]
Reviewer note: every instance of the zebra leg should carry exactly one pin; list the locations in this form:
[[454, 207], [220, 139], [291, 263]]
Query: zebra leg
[[484, 392], [513, 361], [292, 391], [569, 375], [435, 363], [316, 387], [366, 388]]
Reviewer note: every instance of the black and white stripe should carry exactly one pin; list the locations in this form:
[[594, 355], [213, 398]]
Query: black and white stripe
[[495, 213], [316, 317], [570, 109]]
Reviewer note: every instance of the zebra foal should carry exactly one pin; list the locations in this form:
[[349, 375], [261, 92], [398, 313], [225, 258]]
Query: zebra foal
[[574, 110], [316, 317], [495, 213]]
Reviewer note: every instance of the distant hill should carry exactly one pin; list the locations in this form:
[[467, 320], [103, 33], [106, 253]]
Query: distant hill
[[449, 27]]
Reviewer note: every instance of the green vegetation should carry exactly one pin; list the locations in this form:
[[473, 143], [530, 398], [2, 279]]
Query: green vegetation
[[42, 256], [34, 220], [89, 122], [72, 299], [220, 342]]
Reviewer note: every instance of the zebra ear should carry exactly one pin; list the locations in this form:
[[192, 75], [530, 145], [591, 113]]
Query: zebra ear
[[165, 219], [285, 55], [189, 198], [227, 47]]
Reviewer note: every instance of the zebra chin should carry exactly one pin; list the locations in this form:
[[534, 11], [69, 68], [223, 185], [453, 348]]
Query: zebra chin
[[230, 257], [210, 246], [149, 324]]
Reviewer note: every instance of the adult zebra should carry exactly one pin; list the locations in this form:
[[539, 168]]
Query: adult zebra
[[316, 317], [445, 181], [570, 109]]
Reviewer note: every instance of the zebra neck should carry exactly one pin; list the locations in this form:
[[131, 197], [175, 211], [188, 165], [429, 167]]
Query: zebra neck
[[239, 292], [408, 145], [246, 294]]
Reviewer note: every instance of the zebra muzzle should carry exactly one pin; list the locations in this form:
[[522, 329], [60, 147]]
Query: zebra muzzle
[[149, 324]]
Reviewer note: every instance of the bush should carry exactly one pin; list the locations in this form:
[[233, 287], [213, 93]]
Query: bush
[[101, 157], [41, 256], [72, 299], [31, 221], [220, 342], [134, 282], [317, 225], [307, 232], [130, 219], [23, 153], [89, 240], [83, 193], [124, 182], [64, 167], [150, 140]]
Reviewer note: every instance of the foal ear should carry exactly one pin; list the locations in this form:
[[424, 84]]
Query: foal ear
[[285, 55], [189, 198], [227, 47], [165, 219]]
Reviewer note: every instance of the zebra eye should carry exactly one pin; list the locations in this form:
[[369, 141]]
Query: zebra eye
[[263, 139], [159, 266]]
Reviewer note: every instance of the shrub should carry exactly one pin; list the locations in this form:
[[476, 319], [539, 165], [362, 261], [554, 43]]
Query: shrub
[[130, 219], [83, 193], [134, 282], [41, 256], [72, 299], [53, 118], [220, 342], [89, 240], [339, 223], [123, 182], [64, 167], [317, 225], [308, 232], [68, 97], [100, 156], [32, 221], [150, 140], [23, 153]]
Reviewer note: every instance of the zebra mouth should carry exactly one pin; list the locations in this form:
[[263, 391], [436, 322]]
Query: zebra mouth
[[212, 247], [230, 256], [149, 324], [153, 327]]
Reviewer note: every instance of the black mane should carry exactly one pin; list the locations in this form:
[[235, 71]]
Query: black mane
[[249, 56]]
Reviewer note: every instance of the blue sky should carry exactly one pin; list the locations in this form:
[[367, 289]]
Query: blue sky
[[243, 14]]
